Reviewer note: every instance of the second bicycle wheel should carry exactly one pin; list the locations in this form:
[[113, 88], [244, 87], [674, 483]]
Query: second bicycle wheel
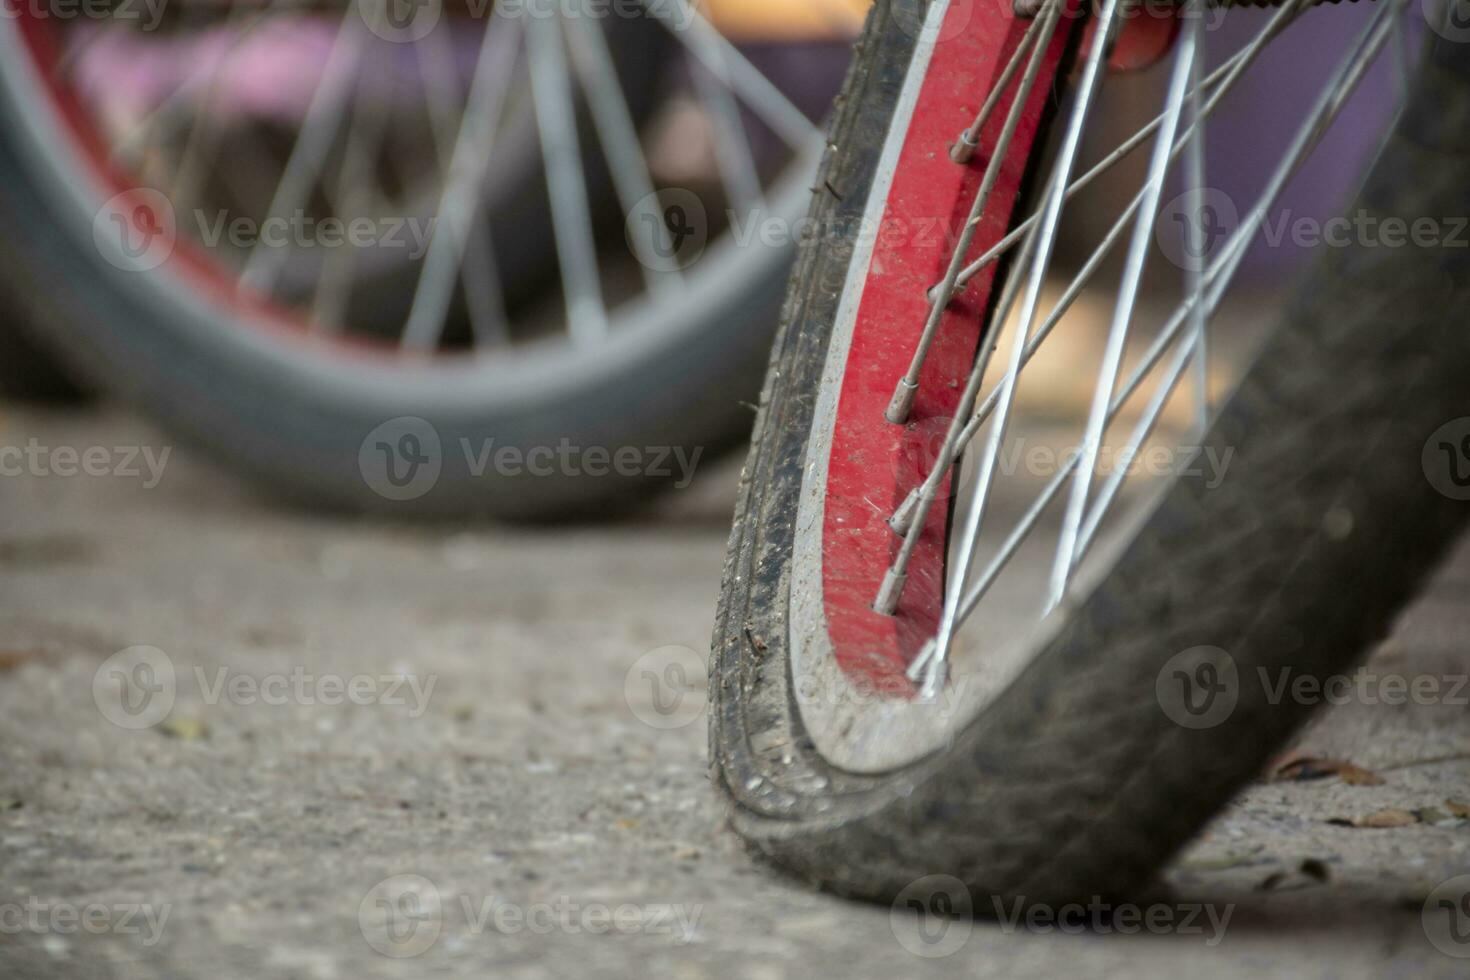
[[440, 258]]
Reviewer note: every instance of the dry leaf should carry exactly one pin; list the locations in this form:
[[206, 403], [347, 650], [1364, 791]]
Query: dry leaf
[[1387, 818], [1358, 776], [1300, 767]]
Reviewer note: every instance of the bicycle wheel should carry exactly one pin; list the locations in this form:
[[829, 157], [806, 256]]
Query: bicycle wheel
[[1043, 679], [326, 242]]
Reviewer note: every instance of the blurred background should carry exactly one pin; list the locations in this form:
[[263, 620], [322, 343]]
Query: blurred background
[[463, 211]]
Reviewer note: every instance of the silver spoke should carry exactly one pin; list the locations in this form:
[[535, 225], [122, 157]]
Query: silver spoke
[[1334, 98], [936, 671], [716, 53], [1122, 314], [969, 141], [906, 389], [324, 118], [1144, 428], [479, 274], [162, 119], [901, 401], [732, 146], [619, 137], [1219, 82], [350, 199], [1194, 179], [1216, 280], [1094, 263], [571, 215], [459, 201]]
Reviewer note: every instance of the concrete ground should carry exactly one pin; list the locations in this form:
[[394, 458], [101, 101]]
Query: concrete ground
[[518, 818]]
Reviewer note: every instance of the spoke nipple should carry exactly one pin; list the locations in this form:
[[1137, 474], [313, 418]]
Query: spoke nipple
[[888, 593], [902, 402], [920, 665], [934, 680], [964, 148], [903, 518]]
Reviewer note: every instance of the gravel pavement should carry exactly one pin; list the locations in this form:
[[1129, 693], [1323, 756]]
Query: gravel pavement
[[394, 751]]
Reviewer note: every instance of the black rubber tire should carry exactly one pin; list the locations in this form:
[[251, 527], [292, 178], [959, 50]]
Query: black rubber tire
[[686, 391], [1074, 782]]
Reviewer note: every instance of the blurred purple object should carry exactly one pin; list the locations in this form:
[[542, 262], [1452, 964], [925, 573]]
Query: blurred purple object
[[1249, 133]]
